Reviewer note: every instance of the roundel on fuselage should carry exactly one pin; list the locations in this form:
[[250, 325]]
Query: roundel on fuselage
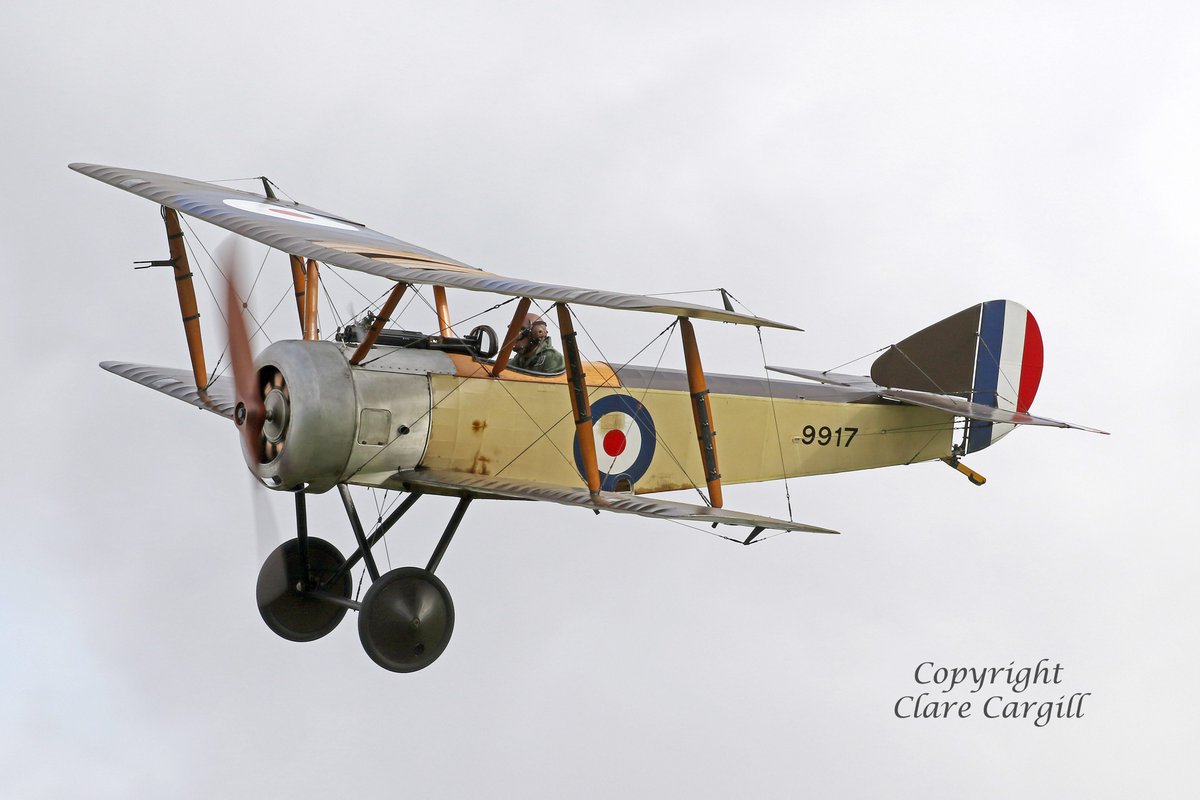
[[625, 440]]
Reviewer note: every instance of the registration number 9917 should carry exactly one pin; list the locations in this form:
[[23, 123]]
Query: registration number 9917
[[825, 436]]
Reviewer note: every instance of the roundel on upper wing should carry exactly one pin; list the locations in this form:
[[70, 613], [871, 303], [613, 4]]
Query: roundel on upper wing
[[289, 214], [625, 440]]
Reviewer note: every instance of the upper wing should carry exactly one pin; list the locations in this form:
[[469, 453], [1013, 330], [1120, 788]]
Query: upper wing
[[311, 233], [459, 483]]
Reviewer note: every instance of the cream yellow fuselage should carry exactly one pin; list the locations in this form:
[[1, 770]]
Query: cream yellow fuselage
[[521, 427]]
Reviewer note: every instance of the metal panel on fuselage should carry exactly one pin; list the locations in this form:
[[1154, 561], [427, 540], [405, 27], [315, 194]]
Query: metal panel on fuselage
[[392, 427], [524, 431], [393, 399]]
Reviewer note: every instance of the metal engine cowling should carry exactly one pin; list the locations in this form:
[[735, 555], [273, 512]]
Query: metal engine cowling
[[311, 413], [327, 422]]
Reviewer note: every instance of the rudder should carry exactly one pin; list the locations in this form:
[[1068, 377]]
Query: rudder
[[990, 354]]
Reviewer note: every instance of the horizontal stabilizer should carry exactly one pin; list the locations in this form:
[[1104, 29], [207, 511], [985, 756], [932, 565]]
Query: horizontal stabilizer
[[464, 484], [831, 378], [976, 411], [312, 233], [180, 384], [942, 402]]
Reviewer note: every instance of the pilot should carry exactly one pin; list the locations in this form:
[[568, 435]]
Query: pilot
[[534, 351]]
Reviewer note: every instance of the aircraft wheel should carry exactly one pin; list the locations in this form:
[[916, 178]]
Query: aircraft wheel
[[286, 608], [406, 619]]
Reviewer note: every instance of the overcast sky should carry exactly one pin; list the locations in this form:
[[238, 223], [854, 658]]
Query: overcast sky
[[858, 169]]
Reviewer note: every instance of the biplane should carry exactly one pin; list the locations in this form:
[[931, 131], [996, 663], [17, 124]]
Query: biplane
[[442, 414]]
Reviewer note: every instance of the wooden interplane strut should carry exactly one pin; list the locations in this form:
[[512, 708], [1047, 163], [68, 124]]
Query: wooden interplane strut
[[385, 313], [298, 283], [187, 297], [443, 311], [581, 407], [514, 330], [706, 433], [312, 292]]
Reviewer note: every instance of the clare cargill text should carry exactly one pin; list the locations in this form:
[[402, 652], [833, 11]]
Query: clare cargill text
[[1032, 692]]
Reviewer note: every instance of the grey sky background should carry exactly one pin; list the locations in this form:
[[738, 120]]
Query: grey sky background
[[859, 169]]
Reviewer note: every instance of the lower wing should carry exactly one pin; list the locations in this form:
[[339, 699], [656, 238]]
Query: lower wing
[[468, 485]]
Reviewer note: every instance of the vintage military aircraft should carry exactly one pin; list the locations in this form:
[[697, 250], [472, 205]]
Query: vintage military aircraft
[[449, 415]]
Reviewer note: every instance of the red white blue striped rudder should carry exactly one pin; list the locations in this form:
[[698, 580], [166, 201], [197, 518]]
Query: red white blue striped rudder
[[990, 354]]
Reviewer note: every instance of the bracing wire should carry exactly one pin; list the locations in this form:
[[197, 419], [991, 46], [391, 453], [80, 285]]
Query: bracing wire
[[787, 490], [258, 274], [591, 390], [775, 414], [356, 290], [665, 446], [855, 360]]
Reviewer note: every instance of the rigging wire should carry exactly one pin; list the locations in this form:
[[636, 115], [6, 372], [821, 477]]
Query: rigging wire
[[417, 293], [203, 276], [787, 491], [621, 387], [337, 272], [194, 260], [231, 180], [258, 274], [281, 190], [333, 309], [921, 370], [244, 302], [996, 358], [424, 414], [257, 331], [591, 391], [485, 311], [666, 447], [708, 531], [854, 360], [258, 179], [775, 414], [691, 291], [544, 433], [379, 522]]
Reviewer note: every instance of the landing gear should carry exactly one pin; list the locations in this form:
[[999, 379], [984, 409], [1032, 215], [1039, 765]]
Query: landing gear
[[406, 617], [285, 592]]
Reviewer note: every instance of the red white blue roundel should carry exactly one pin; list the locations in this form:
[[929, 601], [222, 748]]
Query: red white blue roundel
[[625, 440]]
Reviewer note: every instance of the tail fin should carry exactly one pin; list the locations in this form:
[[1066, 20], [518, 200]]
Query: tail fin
[[990, 354]]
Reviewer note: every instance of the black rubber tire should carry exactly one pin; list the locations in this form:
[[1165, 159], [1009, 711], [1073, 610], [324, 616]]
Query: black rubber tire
[[291, 612], [406, 619]]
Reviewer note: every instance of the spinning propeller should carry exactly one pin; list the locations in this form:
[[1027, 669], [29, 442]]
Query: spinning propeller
[[263, 405], [250, 412]]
